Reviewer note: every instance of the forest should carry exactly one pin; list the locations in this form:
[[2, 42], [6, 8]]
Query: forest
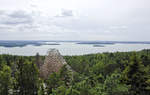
[[119, 73]]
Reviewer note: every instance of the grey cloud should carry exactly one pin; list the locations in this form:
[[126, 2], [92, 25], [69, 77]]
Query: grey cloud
[[19, 14], [2, 12], [65, 13], [16, 22], [15, 18]]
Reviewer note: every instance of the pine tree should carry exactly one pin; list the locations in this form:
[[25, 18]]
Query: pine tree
[[38, 61], [135, 76], [5, 80], [27, 78]]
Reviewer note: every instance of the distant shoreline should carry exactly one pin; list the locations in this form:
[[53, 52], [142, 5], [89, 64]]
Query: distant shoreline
[[6, 43], [24, 43]]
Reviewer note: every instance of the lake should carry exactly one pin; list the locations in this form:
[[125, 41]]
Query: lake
[[71, 48]]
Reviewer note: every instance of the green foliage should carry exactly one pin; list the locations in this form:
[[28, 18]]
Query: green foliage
[[113, 86], [53, 82], [136, 76], [63, 77], [27, 74], [42, 89], [120, 73], [5, 80]]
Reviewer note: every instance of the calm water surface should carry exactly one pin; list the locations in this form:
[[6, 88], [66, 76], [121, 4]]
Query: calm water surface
[[70, 48]]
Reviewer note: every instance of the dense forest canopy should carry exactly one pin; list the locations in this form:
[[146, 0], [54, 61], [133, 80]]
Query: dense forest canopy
[[119, 73]]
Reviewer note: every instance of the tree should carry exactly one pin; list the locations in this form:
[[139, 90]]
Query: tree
[[65, 75], [72, 91], [83, 87], [53, 82], [135, 76], [38, 61], [42, 90], [5, 80], [27, 78], [113, 86]]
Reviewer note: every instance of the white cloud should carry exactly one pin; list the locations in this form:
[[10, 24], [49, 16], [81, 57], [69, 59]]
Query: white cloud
[[68, 19]]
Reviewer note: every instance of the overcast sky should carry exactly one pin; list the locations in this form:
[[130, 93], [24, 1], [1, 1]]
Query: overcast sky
[[124, 20]]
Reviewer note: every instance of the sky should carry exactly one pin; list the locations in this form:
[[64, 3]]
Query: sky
[[90, 20]]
